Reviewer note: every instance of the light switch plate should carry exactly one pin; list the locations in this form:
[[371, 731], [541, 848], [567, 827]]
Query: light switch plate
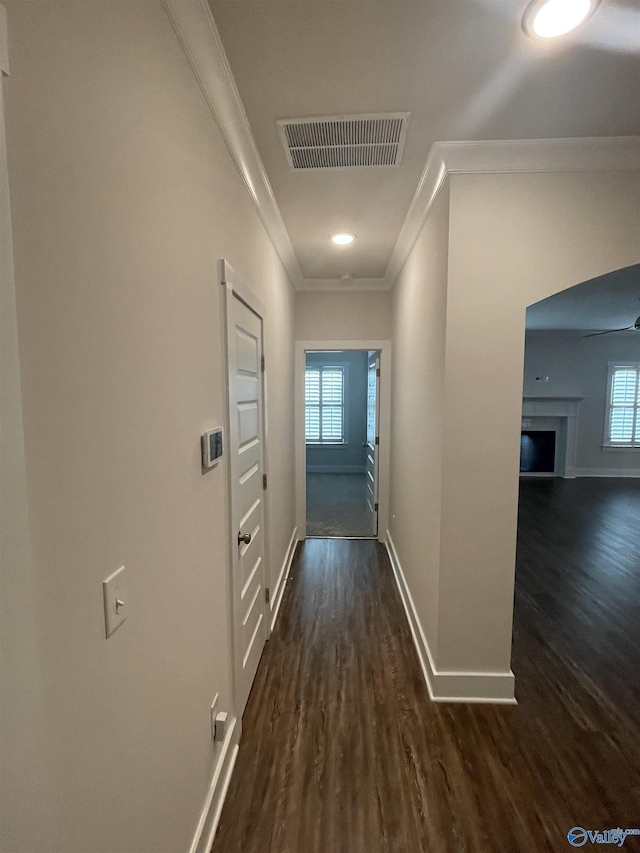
[[116, 600]]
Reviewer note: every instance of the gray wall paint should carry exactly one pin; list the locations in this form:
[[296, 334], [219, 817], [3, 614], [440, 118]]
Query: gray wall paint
[[26, 815], [351, 455], [119, 219], [577, 366], [503, 243], [417, 407], [513, 240], [338, 315]]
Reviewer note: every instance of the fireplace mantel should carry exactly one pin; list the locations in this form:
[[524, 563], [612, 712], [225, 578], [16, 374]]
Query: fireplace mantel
[[551, 400]]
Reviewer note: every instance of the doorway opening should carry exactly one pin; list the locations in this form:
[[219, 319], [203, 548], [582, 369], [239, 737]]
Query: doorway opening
[[341, 423], [577, 575]]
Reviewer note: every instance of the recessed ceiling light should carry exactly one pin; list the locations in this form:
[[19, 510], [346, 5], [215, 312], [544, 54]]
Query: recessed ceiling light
[[552, 18], [343, 238]]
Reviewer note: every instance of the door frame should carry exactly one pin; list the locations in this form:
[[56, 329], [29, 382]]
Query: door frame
[[375, 356], [384, 348], [234, 287]]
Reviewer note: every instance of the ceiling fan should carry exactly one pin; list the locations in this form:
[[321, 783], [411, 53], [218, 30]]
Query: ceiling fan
[[635, 326]]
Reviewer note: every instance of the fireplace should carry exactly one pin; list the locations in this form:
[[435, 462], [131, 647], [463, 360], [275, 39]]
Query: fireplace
[[548, 436], [538, 451]]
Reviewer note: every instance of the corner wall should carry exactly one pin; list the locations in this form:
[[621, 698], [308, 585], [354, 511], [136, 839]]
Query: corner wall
[[419, 323], [511, 239], [124, 197]]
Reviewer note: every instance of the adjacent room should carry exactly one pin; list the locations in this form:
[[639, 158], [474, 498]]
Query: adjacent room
[[580, 396], [577, 617], [340, 436]]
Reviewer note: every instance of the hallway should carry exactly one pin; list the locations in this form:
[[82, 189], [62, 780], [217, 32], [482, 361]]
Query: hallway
[[342, 751]]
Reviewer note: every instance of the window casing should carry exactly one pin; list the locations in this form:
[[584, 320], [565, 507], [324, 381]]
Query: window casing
[[623, 406], [324, 397]]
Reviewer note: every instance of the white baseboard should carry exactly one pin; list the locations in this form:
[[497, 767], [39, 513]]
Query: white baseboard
[[210, 816], [493, 687], [336, 469], [212, 809], [607, 472], [278, 592]]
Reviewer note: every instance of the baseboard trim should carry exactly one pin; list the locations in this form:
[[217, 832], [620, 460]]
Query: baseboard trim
[[471, 687], [212, 809], [278, 593], [336, 469], [607, 472]]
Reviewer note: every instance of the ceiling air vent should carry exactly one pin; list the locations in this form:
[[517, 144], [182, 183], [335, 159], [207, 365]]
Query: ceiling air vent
[[344, 142]]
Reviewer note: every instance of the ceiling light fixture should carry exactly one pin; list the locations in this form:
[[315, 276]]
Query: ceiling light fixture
[[552, 18], [343, 238]]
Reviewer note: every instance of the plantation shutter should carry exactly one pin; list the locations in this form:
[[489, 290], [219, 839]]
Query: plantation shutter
[[624, 420], [312, 405], [324, 405], [332, 405]]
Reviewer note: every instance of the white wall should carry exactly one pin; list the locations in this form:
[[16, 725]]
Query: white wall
[[419, 315], [343, 316], [513, 239], [349, 457], [578, 366], [123, 199], [25, 802]]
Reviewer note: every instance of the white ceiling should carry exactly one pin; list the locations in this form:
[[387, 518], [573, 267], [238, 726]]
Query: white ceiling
[[610, 301], [463, 69]]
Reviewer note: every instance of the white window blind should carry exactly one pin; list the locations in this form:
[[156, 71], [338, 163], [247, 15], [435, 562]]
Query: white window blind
[[324, 405], [623, 426]]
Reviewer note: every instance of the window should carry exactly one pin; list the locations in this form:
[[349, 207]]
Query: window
[[623, 421], [324, 405]]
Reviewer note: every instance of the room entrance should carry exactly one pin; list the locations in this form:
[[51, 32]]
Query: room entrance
[[341, 422]]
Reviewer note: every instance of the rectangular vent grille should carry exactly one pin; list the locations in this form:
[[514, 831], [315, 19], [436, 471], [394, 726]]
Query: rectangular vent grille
[[343, 142]]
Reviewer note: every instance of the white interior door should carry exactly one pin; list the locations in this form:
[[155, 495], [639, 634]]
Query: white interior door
[[373, 440], [246, 450]]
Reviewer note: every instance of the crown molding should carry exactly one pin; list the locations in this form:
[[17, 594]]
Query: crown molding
[[194, 25], [589, 154], [577, 154], [315, 284], [197, 32]]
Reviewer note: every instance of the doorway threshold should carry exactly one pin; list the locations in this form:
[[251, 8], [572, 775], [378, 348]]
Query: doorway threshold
[[374, 538]]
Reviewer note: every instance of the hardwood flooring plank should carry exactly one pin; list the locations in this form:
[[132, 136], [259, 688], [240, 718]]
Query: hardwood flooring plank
[[343, 752]]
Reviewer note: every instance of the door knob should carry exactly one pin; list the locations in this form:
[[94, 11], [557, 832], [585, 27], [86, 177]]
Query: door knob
[[244, 537]]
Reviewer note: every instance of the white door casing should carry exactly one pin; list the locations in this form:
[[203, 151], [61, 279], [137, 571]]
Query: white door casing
[[247, 511], [372, 445]]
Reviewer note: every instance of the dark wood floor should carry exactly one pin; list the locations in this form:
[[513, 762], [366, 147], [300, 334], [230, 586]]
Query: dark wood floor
[[342, 751]]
